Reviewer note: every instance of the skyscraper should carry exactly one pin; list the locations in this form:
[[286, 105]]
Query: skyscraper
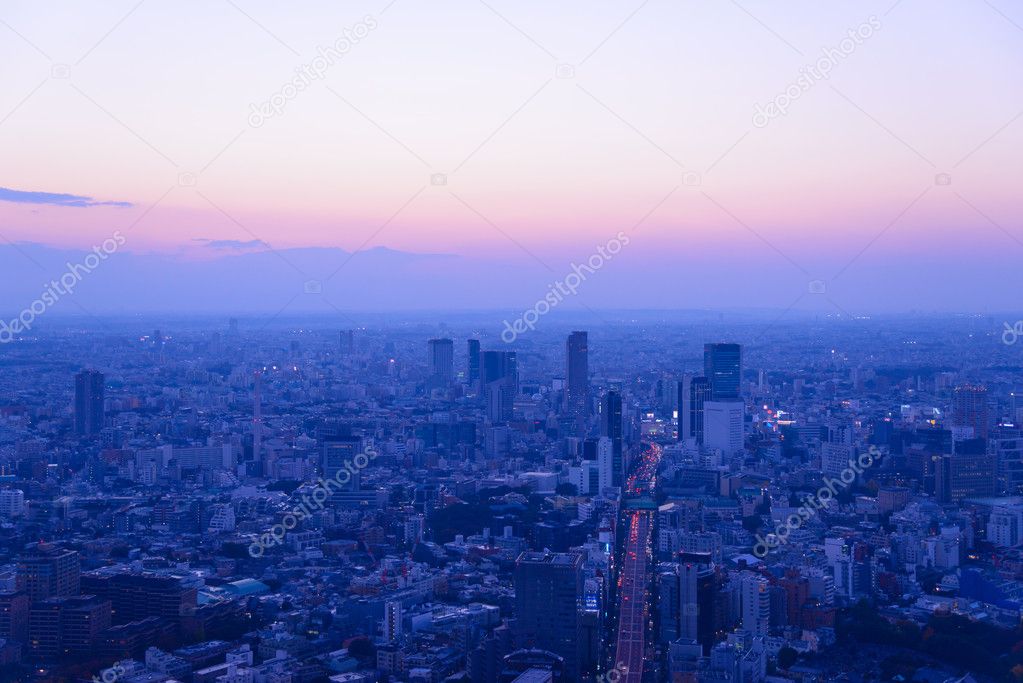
[[472, 369], [755, 599], [697, 590], [722, 366], [497, 365], [694, 393], [970, 409], [338, 455], [499, 382], [969, 472], [89, 391], [605, 464], [611, 427], [346, 342], [257, 416], [723, 425], [577, 375], [548, 591], [442, 361], [611, 415], [392, 627]]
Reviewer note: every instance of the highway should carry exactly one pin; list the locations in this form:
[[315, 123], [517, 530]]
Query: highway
[[634, 580]]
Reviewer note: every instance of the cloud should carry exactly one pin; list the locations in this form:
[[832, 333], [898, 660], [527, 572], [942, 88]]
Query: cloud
[[233, 244], [54, 199]]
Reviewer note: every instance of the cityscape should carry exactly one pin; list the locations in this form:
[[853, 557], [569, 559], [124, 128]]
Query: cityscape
[[511, 341], [430, 503]]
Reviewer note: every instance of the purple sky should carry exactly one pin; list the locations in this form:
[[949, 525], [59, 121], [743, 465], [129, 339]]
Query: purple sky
[[522, 135]]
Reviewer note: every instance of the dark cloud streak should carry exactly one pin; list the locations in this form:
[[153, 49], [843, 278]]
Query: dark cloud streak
[[54, 199]]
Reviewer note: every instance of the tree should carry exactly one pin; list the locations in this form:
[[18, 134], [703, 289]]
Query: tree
[[362, 649]]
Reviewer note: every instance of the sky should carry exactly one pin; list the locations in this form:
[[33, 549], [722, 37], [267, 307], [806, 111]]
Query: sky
[[524, 134]]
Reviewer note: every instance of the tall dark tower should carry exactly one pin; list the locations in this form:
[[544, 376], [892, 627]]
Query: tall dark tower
[[499, 365], [693, 393], [548, 589], [970, 409], [346, 342], [722, 366], [89, 392], [472, 369], [442, 361], [611, 427], [499, 383], [577, 375]]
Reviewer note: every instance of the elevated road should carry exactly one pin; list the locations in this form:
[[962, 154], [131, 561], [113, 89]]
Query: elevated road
[[634, 580]]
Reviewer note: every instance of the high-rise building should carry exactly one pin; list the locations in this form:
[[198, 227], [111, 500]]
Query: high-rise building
[[45, 571], [969, 472], [611, 427], [346, 342], [722, 366], [694, 394], [577, 375], [499, 384], [89, 394], [14, 607], [499, 365], [755, 602], [611, 415], [1005, 526], [472, 362], [257, 416], [970, 409], [835, 458], [338, 455], [63, 627], [605, 463], [723, 425], [548, 592], [392, 627], [442, 361], [697, 593], [12, 503]]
